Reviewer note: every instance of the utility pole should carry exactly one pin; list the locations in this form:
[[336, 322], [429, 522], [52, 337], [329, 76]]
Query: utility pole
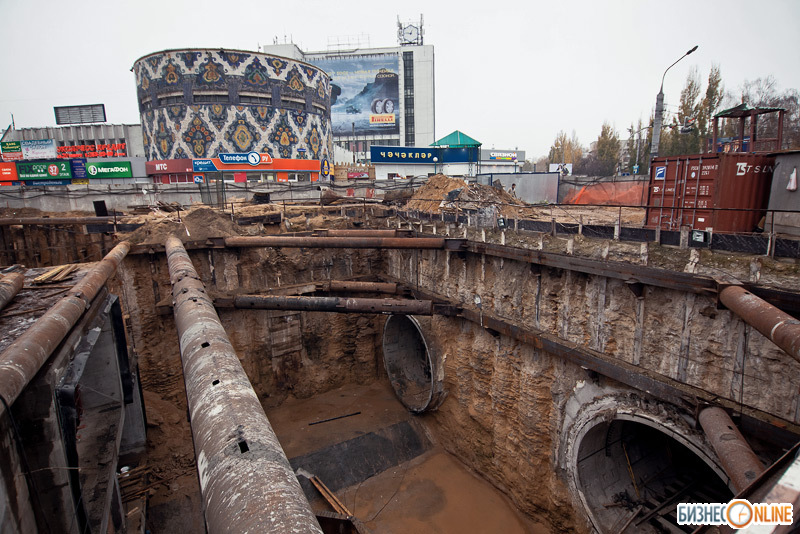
[[660, 109]]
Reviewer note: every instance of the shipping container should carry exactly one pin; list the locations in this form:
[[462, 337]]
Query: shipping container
[[719, 192]]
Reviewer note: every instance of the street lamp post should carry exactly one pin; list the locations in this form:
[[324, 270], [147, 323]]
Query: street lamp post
[[660, 109]]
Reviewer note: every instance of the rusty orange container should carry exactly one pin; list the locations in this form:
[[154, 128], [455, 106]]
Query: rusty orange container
[[724, 192]]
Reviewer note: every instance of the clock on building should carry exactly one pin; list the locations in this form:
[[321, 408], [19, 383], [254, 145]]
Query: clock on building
[[409, 34]]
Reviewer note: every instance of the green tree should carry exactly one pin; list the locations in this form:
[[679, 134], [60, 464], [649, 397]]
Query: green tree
[[565, 149], [608, 147], [710, 106], [602, 160]]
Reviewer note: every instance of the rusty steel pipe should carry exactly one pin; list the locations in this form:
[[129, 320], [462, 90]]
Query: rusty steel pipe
[[778, 326], [10, 285], [21, 360], [334, 304], [353, 286], [336, 242], [360, 233], [246, 481], [738, 460]]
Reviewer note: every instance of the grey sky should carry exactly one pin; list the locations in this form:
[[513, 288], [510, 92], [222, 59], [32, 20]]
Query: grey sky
[[510, 74]]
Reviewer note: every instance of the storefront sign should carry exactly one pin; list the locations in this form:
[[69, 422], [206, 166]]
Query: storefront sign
[[12, 150], [8, 171], [92, 151], [503, 156], [203, 165], [78, 166], [382, 154], [114, 169], [44, 169], [38, 149], [34, 183], [251, 158], [80, 181]]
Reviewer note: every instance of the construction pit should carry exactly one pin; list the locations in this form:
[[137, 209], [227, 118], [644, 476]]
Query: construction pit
[[425, 376]]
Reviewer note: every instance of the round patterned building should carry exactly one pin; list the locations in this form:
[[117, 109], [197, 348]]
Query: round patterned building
[[200, 103]]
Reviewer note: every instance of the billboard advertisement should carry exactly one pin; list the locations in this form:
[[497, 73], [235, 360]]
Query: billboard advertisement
[[44, 169], [38, 149], [12, 150], [365, 94]]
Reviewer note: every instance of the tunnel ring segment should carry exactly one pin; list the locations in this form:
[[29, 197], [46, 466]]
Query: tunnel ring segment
[[410, 364], [622, 407]]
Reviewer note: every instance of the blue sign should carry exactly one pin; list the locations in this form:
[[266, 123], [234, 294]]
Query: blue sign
[[203, 165], [253, 158], [78, 167], [400, 154], [661, 173], [198, 178], [46, 182]]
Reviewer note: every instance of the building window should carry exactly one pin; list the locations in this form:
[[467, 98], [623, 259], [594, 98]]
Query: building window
[[408, 93], [204, 98], [248, 99]]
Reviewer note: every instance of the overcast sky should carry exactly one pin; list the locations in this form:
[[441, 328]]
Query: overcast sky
[[510, 74]]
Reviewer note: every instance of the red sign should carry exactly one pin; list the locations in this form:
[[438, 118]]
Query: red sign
[[8, 171], [92, 151], [169, 166]]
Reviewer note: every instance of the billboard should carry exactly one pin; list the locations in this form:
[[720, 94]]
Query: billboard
[[80, 114], [116, 169], [44, 169], [365, 94], [12, 150], [38, 149]]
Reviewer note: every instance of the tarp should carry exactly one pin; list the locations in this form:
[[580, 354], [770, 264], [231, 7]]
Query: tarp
[[457, 139], [610, 194]]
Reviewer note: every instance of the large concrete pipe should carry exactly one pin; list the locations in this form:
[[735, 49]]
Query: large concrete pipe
[[245, 479], [10, 285], [21, 360], [334, 304], [337, 242], [779, 327], [737, 458]]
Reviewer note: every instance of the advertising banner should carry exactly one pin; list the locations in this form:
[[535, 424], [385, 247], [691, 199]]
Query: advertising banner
[[78, 168], [8, 172], [44, 169], [12, 150], [113, 169], [365, 96], [38, 149]]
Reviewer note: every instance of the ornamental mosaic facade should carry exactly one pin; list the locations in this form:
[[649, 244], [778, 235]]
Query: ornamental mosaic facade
[[198, 103]]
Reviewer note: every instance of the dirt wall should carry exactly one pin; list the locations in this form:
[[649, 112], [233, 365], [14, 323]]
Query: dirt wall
[[505, 401]]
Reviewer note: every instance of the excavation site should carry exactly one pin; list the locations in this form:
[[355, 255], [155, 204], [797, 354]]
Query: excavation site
[[360, 366]]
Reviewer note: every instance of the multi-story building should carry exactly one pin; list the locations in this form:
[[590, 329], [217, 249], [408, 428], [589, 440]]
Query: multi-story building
[[379, 96]]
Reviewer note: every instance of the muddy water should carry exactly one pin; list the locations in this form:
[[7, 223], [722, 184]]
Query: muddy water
[[433, 493]]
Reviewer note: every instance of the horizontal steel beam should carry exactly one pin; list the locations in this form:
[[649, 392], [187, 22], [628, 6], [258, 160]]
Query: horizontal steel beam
[[21, 360], [246, 481], [10, 285], [334, 304], [778, 326], [34, 221], [628, 272], [344, 242]]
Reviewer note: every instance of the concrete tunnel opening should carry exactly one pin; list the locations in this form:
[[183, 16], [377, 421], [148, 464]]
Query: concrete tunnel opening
[[632, 475], [409, 364]]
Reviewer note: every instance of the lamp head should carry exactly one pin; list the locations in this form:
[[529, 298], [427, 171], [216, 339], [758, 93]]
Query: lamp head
[[692, 50]]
